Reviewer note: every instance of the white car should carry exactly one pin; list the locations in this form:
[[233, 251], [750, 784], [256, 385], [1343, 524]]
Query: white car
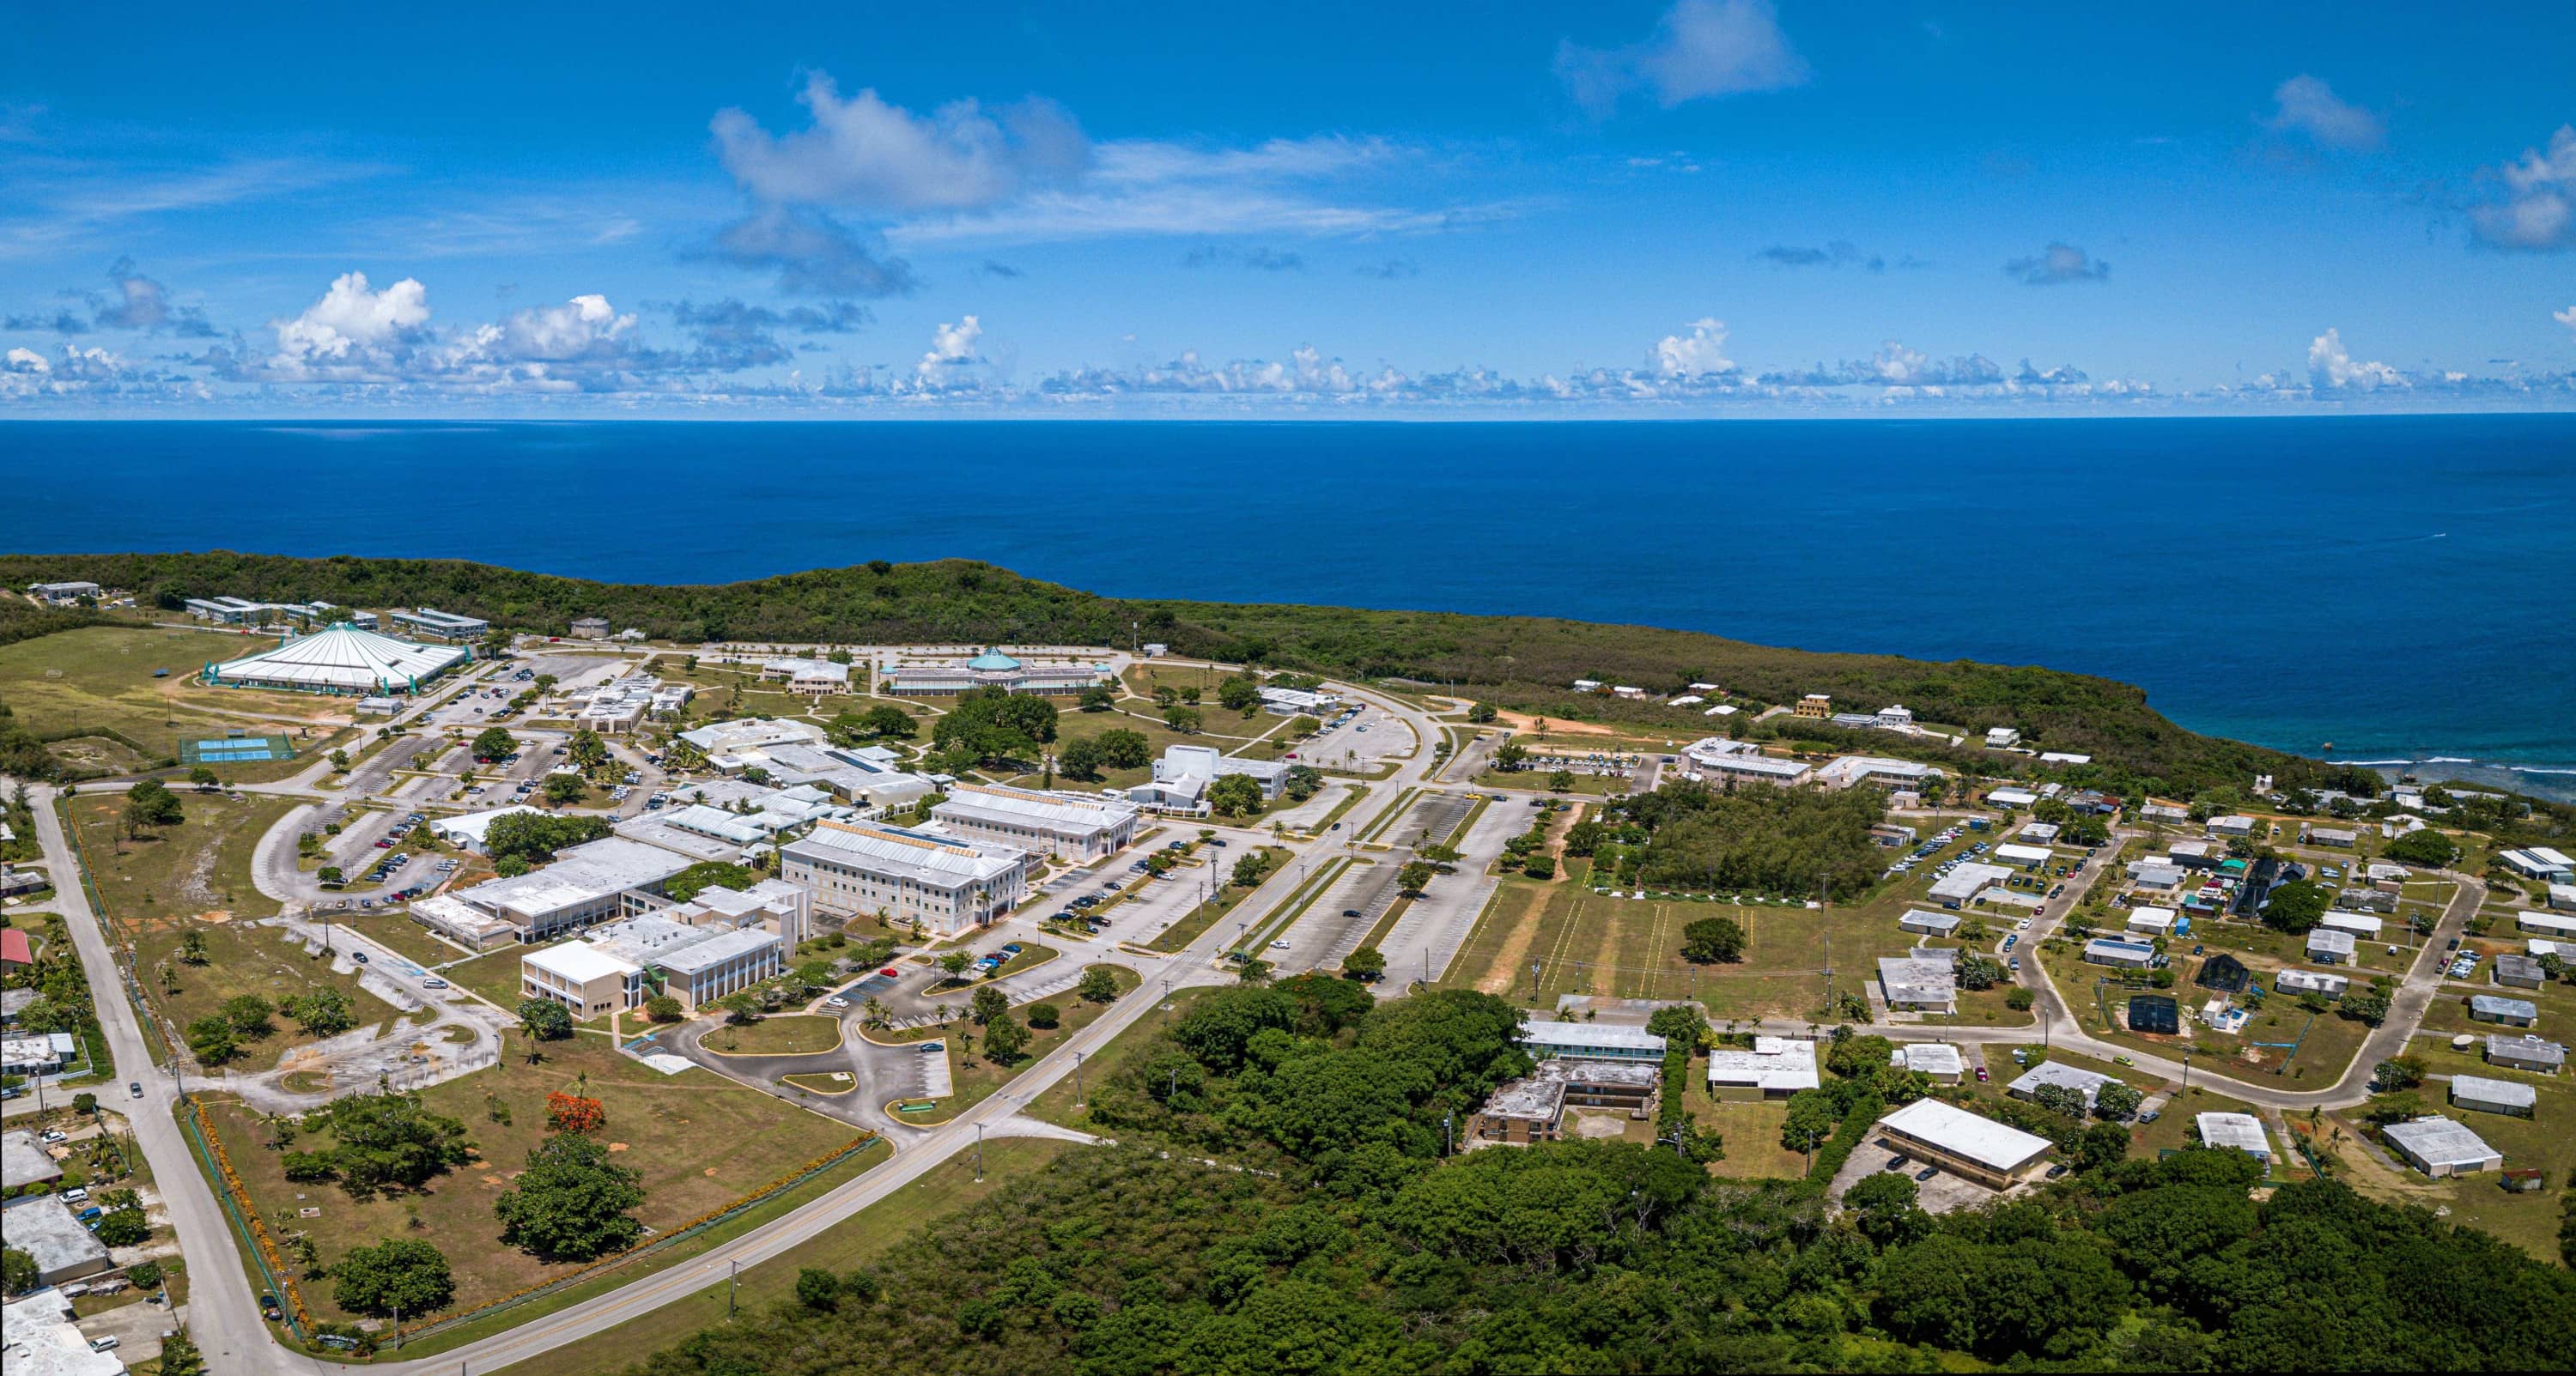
[[1279, 945]]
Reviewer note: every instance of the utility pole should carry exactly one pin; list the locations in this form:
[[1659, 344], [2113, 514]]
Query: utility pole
[[733, 1287], [1077, 1079], [979, 1153]]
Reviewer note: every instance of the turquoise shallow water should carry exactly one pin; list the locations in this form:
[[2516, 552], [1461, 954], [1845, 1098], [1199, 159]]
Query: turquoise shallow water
[[2404, 587]]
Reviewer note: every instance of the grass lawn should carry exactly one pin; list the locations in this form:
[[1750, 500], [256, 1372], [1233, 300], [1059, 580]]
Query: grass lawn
[[846, 1246], [2528, 1221], [1751, 1130], [795, 1034], [700, 1141], [202, 865], [2326, 1042], [1588, 943], [102, 676], [1536, 780], [494, 974]]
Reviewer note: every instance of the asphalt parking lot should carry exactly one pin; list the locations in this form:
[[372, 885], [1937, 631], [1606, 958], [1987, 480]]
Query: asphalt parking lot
[[1943, 1193]]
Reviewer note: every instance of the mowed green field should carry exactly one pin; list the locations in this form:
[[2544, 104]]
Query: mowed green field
[[700, 1142], [1587, 943]]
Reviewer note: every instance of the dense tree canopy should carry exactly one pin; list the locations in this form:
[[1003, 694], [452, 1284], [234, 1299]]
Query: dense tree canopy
[[1760, 838]]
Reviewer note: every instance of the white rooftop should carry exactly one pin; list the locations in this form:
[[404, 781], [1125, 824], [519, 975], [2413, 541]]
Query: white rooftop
[[2027, 855], [2242, 1131], [1774, 1063], [580, 962], [1031, 806], [344, 658], [1931, 1058], [2441, 1142], [2511, 1093], [1961, 1133], [41, 1340], [1963, 881], [579, 874], [943, 862], [2085, 1082], [1604, 1035], [2360, 924], [723, 737]]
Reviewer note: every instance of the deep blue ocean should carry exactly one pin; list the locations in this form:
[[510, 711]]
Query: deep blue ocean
[[2403, 587]]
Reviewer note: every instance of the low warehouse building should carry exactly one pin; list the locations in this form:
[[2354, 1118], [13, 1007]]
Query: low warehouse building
[[1775, 1068], [1591, 1041], [2243, 1131], [45, 1229], [2526, 1052], [1966, 1144], [2441, 1148], [2479, 1094], [1938, 1060]]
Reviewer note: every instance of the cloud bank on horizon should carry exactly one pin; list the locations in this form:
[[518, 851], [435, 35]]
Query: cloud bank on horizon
[[1565, 212]]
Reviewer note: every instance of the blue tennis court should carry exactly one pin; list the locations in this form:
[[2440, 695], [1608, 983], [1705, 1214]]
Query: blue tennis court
[[235, 750]]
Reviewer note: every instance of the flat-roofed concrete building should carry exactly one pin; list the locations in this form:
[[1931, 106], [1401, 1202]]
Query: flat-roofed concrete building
[[2087, 1083], [1775, 1068], [1590, 1041], [597, 881], [2560, 925], [1966, 1144], [591, 982], [23, 1163], [1964, 882], [45, 1229], [1850, 770], [1290, 702], [2243, 1131], [1532, 1108], [1928, 922], [1065, 824], [2441, 1148], [2529, 1051], [42, 1340], [2519, 971], [1940, 1061], [2028, 857], [2126, 955], [945, 884], [2312, 982], [2329, 947], [2363, 926], [2153, 922], [1919, 984], [444, 625], [1717, 758], [2510, 1012], [2480, 1094]]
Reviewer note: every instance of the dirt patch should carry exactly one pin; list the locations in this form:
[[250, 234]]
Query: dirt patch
[[1522, 722], [1516, 947], [216, 915], [617, 1146]]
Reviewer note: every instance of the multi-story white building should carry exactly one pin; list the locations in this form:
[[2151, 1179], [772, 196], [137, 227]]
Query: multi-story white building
[[945, 884], [1083, 828]]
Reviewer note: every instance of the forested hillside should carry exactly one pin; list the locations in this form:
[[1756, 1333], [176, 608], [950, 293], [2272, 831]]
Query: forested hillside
[[1524, 662], [1357, 1249]]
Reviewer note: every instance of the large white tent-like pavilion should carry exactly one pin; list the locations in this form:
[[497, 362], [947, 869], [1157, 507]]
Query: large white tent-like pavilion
[[340, 659]]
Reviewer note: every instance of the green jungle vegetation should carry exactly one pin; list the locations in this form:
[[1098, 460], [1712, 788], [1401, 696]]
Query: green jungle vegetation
[[1524, 662], [1352, 1246]]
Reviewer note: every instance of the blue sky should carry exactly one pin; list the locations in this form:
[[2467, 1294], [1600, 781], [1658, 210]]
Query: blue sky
[[1710, 207]]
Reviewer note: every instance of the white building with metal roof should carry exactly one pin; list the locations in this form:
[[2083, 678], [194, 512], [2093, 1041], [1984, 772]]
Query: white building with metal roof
[[2243, 1131], [2441, 1148], [341, 660], [1964, 882], [587, 883], [2327, 946], [2529, 1051], [2482, 1094], [2296, 981], [2497, 1008]]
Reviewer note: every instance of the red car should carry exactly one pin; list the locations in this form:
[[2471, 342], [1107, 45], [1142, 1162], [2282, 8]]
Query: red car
[[1981, 1074], [891, 973]]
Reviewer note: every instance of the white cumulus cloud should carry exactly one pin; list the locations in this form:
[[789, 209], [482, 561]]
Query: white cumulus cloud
[[2566, 317], [2538, 213], [350, 322], [1701, 353], [952, 364], [2307, 105], [2332, 368]]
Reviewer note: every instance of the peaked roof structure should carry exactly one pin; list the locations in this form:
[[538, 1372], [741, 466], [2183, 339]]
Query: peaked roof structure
[[341, 659], [992, 660]]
